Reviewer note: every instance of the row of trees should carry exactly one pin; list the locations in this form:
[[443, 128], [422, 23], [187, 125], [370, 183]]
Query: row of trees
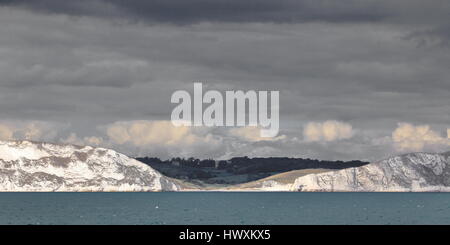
[[246, 164]]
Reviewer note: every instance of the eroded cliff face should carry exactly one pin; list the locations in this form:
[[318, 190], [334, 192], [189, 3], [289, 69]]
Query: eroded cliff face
[[32, 166], [409, 172]]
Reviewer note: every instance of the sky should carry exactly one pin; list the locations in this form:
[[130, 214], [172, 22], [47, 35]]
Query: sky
[[357, 79]]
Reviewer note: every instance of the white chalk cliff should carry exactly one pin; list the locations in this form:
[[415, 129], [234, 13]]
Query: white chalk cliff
[[31, 166], [414, 172]]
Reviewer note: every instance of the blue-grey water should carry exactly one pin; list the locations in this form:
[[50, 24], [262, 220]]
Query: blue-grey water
[[224, 208]]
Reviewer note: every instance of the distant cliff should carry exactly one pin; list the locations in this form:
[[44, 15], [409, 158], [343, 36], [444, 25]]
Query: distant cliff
[[32, 166], [410, 172]]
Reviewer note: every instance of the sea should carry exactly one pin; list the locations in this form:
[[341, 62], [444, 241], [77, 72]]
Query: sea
[[224, 208]]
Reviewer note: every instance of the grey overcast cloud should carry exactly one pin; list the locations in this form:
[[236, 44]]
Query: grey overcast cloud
[[357, 79]]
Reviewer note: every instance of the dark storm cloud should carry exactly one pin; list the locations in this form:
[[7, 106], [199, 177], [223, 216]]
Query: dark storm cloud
[[185, 12], [370, 64], [435, 36]]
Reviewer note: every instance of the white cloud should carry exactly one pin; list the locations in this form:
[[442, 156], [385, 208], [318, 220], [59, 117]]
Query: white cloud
[[162, 133], [161, 138], [6, 133], [142, 133], [74, 139], [93, 141], [407, 137], [32, 131], [252, 134], [327, 131], [19, 130]]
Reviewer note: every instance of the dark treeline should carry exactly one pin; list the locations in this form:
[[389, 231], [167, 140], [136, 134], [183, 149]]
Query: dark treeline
[[246, 164], [192, 168]]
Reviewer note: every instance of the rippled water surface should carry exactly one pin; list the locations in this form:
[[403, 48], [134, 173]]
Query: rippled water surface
[[224, 208]]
